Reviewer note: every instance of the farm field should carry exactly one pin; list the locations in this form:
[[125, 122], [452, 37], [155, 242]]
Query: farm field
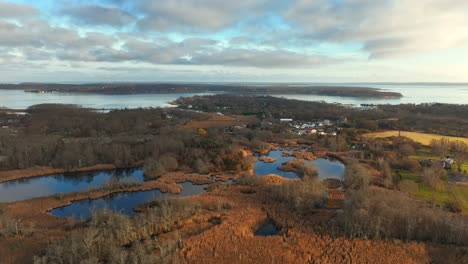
[[423, 138], [441, 193], [218, 120]]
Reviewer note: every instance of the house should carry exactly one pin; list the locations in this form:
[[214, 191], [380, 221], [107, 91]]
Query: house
[[286, 120], [448, 163]]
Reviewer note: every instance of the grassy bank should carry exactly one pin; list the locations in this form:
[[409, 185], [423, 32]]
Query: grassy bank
[[440, 194]]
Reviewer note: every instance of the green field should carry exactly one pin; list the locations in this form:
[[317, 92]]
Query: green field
[[424, 154], [440, 194]]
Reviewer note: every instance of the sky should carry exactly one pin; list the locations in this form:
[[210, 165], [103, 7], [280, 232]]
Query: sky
[[233, 41]]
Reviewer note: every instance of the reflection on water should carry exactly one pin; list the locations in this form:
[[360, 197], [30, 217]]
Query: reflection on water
[[24, 189], [267, 229], [329, 168], [423, 93], [263, 168], [121, 202], [17, 99], [412, 94], [326, 167]]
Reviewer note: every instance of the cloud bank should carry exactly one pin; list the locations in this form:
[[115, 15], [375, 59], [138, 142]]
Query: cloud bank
[[298, 34]]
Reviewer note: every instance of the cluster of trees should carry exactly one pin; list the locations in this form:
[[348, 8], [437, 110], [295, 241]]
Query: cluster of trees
[[157, 88], [337, 143], [300, 196], [356, 176], [66, 136], [444, 146], [376, 213], [116, 238], [304, 169], [435, 118], [382, 214], [73, 121], [13, 227], [453, 148], [187, 150]]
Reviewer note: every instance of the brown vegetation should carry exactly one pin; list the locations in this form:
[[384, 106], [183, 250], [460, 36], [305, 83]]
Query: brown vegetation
[[379, 214], [442, 119], [317, 220], [304, 169], [267, 159]]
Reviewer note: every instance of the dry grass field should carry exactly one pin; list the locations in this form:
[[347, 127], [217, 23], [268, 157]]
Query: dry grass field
[[218, 120], [422, 138]]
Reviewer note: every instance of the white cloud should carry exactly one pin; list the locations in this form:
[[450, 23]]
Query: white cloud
[[14, 10], [240, 37], [98, 15], [195, 15], [386, 27]]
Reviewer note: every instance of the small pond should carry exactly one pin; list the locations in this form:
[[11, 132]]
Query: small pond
[[123, 202], [267, 229], [326, 167], [329, 168], [264, 168], [23, 189]]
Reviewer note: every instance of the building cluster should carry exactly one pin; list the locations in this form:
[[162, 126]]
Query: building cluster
[[323, 127], [10, 120]]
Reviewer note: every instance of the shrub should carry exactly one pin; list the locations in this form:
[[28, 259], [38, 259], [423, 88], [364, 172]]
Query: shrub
[[115, 238], [301, 196], [378, 213], [453, 205], [408, 186], [406, 164], [432, 175], [250, 180], [201, 167], [356, 176], [112, 184], [156, 168], [13, 227], [304, 169], [406, 149]]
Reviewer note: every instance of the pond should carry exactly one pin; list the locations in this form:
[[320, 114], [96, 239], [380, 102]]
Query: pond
[[267, 229], [123, 202], [327, 167], [23, 189], [264, 168]]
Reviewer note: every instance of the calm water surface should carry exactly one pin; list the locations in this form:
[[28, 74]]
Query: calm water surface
[[23, 189], [326, 167], [17, 99], [329, 168], [441, 93], [263, 168], [123, 202], [412, 94], [267, 229]]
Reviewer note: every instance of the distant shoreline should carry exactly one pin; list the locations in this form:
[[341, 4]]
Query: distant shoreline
[[140, 88]]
